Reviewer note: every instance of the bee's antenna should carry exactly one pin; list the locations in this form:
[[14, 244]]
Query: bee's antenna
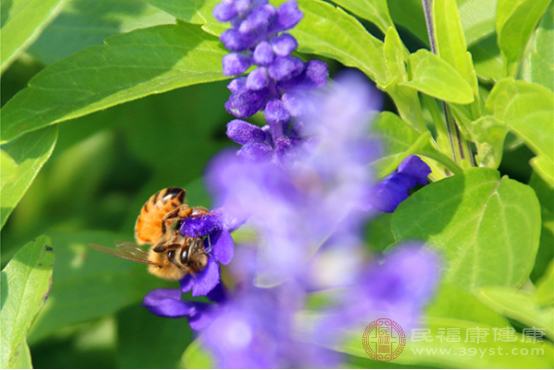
[[209, 250]]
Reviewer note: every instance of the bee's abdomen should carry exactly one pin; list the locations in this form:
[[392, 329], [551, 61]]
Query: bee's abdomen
[[148, 228]]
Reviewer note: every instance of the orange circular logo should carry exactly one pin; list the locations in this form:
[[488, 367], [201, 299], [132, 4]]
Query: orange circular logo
[[384, 340]]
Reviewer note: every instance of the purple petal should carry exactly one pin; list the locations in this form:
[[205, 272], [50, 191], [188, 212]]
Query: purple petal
[[288, 16], [245, 103], [258, 20], [223, 246], [236, 64], [257, 79], [392, 191], [218, 294], [263, 54], [237, 84], [186, 283], [206, 279], [242, 132], [202, 317], [284, 44], [314, 76], [294, 103], [167, 303], [284, 68], [415, 167], [201, 225], [276, 112], [236, 41], [224, 12], [256, 152]]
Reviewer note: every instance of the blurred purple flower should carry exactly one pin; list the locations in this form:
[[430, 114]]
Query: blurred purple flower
[[393, 189], [256, 38]]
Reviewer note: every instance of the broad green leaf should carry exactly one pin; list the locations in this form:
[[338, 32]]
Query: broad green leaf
[[528, 110], [486, 228], [88, 284], [135, 340], [83, 23], [375, 11], [395, 55], [379, 234], [451, 45], [127, 67], [478, 18], [488, 134], [545, 194], [399, 140], [196, 357], [463, 352], [22, 22], [8, 166], [26, 281], [545, 287], [409, 14], [455, 302], [435, 77], [515, 21], [487, 59], [195, 12], [542, 58], [518, 305], [29, 152]]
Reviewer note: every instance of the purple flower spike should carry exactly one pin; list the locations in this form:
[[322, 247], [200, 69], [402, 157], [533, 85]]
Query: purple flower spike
[[235, 40], [236, 64], [224, 12], [245, 103], [284, 44], [276, 113], [167, 303], [242, 132], [393, 189], [256, 152], [288, 16]]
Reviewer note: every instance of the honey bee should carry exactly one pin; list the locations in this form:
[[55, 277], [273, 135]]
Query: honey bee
[[171, 256]]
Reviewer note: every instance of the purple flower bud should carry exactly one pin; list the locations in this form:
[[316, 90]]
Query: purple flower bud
[[314, 75], [237, 84], [242, 6], [294, 103], [284, 44], [256, 152], [284, 68], [236, 64], [224, 12], [276, 112], [245, 103], [257, 79], [236, 41], [263, 54], [288, 16], [415, 167], [242, 132]]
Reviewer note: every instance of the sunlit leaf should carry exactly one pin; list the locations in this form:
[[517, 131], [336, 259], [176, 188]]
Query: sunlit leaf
[[545, 287], [127, 67], [542, 58], [22, 23], [375, 11], [486, 228], [197, 357], [29, 153], [26, 282]]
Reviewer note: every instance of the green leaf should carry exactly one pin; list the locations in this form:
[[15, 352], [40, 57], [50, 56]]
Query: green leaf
[[518, 305], [195, 12], [29, 152], [462, 353], [26, 281], [545, 194], [487, 60], [88, 284], [129, 66], [528, 110], [409, 14], [478, 18], [451, 43], [488, 134], [22, 23], [400, 140], [545, 287], [515, 21], [435, 77], [8, 166], [475, 220], [135, 340], [395, 55], [375, 11], [197, 357], [83, 23], [542, 58]]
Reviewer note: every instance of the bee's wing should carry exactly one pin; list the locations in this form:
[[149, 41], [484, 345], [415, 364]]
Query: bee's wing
[[126, 250]]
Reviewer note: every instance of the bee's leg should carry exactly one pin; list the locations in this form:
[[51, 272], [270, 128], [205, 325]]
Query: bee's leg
[[178, 213]]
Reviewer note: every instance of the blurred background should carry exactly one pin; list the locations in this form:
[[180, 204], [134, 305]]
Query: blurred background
[[104, 167]]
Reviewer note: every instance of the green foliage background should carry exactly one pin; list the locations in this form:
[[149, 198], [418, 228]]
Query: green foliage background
[[105, 102]]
